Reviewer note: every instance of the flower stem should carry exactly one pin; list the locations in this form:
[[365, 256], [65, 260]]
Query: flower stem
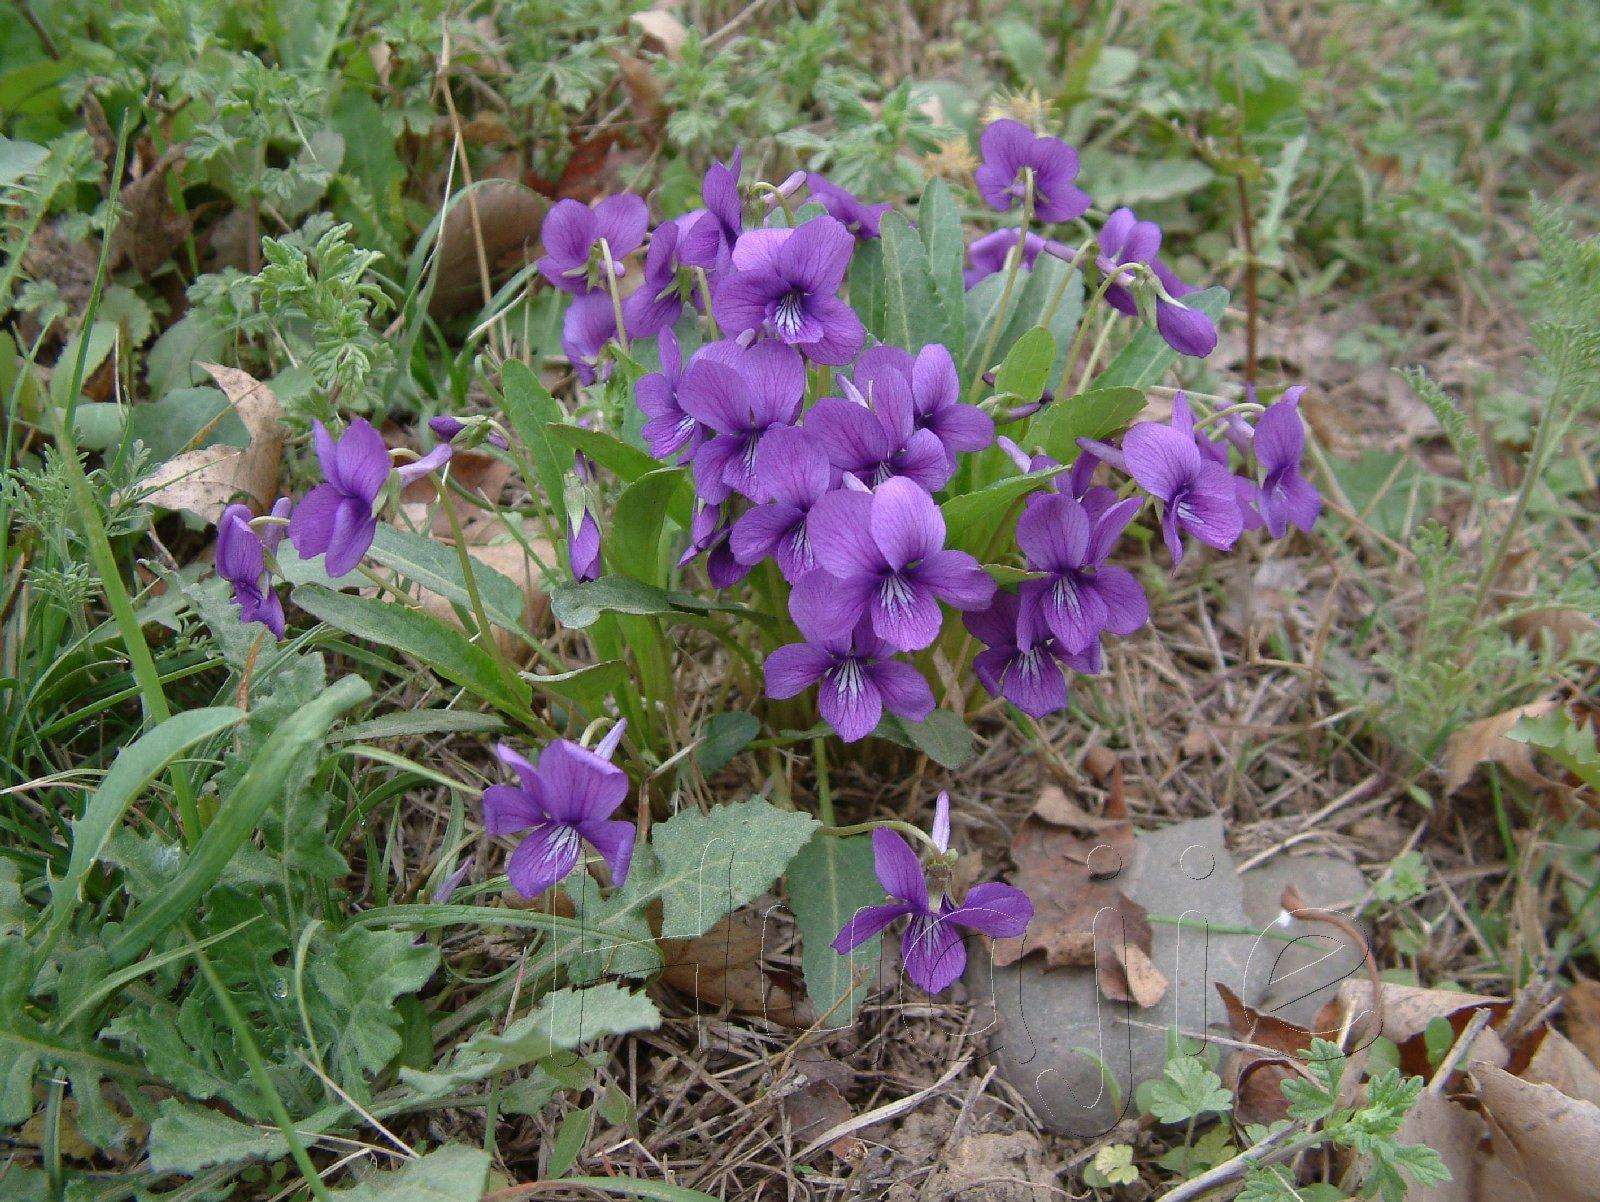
[[616, 297], [819, 753], [891, 824], [1013, 266]]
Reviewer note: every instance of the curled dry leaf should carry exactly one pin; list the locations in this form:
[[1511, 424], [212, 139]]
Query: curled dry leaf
[[501, 218], [1581, 1013], [1458, 1135], [1067, 862], [1485, 742], [1546, 1139], [149, 229], [813, 1102], [203, 482], [662, 30], [1406, 1011], [1256, 1077], [723, 968], [1557, 1062]]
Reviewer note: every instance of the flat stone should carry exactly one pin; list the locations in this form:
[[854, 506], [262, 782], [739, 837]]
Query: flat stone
[[1301, 968], [1053, 1031]]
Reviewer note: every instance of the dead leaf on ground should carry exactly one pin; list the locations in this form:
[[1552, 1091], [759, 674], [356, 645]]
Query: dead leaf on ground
[[150, 229], [723, 968], [1485, 742], [662, 30], [1456, 1134], [484, 476], [505, 215], [1068, 862], [1563, 626], [1559, 1063], [1582, 1018], [1406, 1012], [1549, 1140], [203, 482], [1256, 1077], [813, 1102]]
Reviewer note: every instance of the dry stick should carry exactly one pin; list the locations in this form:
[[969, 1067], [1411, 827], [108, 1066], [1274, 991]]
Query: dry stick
[[1469, 1036], [1280, 1145], [460, 150]]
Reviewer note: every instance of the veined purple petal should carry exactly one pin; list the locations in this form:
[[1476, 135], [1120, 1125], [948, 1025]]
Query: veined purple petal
[[841, 534], [905, 693], [865, 923], [897, 868], [956, 578], [507, 810], [542, 859], [1161, 459], [849, 701], [1054, 534], [791, 670], [904, 522], [933, 952], [817, 256], [996, 909], [354, 527], [614, 840], [1033, 680], [827, 608], [621, 220], [1126, 606], [579, 786]]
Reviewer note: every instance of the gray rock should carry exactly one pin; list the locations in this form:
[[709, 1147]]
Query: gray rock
[[1295, 979], [1052, 1030]]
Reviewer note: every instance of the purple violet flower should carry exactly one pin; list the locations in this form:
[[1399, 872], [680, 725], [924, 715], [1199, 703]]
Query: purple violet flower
[[1198, 495], [567, 800], [936, 397], [860, 218], [988, 254], [1009, 148], [1187, 331], [871, 432], [668, 430], [241, 561], [857, 679], [1287, 498], [708, 242], [656, 304], [739, 393], [448, 429], [931, 947], [793, 474], [572, 233], [1025, 666], [881, 557], [590, 323], [335, 518], [710, 534], [785, 284], [1080, 595], [1125, 239], [583, 546], [422, 465]]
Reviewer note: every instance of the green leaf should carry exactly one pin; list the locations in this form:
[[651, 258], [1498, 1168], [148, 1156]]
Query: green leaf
[[1121, 179], [944, 738], [713, 862], [587, 685], [1147, 357], [533, 414], [634, 539], [828, 882], [409, 723], [18, 159], [1025, 371], [913, 312], [579, 603], [357, 978], [726, 735], [570, 1138], [185, 1138], [1096, 414], [1030, 298], [1186, 1090], [866, 285], [443, 648], [453, 1173], [437, 568], [610, 452], [972, 519], [236, 819], [564, 1019], [939, 224], [136, 766]]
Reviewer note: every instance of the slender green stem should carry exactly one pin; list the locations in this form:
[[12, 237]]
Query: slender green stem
[[258, 1070], [1013, 267], [888, 824], [819, 755], [480, 615], [104, 558], [616, 297]]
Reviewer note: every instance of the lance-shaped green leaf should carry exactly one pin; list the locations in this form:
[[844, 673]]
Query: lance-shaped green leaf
[[533, 413], [1099, 413], [913, 314], [939, 224], [1025, 371], [634, 537], [437, 568], [828, 882]]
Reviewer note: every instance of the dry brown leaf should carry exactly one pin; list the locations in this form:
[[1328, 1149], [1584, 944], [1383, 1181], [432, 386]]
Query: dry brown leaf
[[814, 1103], [1582, 1015], [1256, 1077], [1563, 626], [203, 482], [723, 968], [663, 29], [1557, 1062], [1067, 862], [1485, 742], [506, 216], [1407, 1010], [1455, 1133], [149, 229], [1548, 1139]]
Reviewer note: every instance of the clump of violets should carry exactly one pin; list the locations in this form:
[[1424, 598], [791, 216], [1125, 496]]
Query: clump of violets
[[558, 806], [931, 946]]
